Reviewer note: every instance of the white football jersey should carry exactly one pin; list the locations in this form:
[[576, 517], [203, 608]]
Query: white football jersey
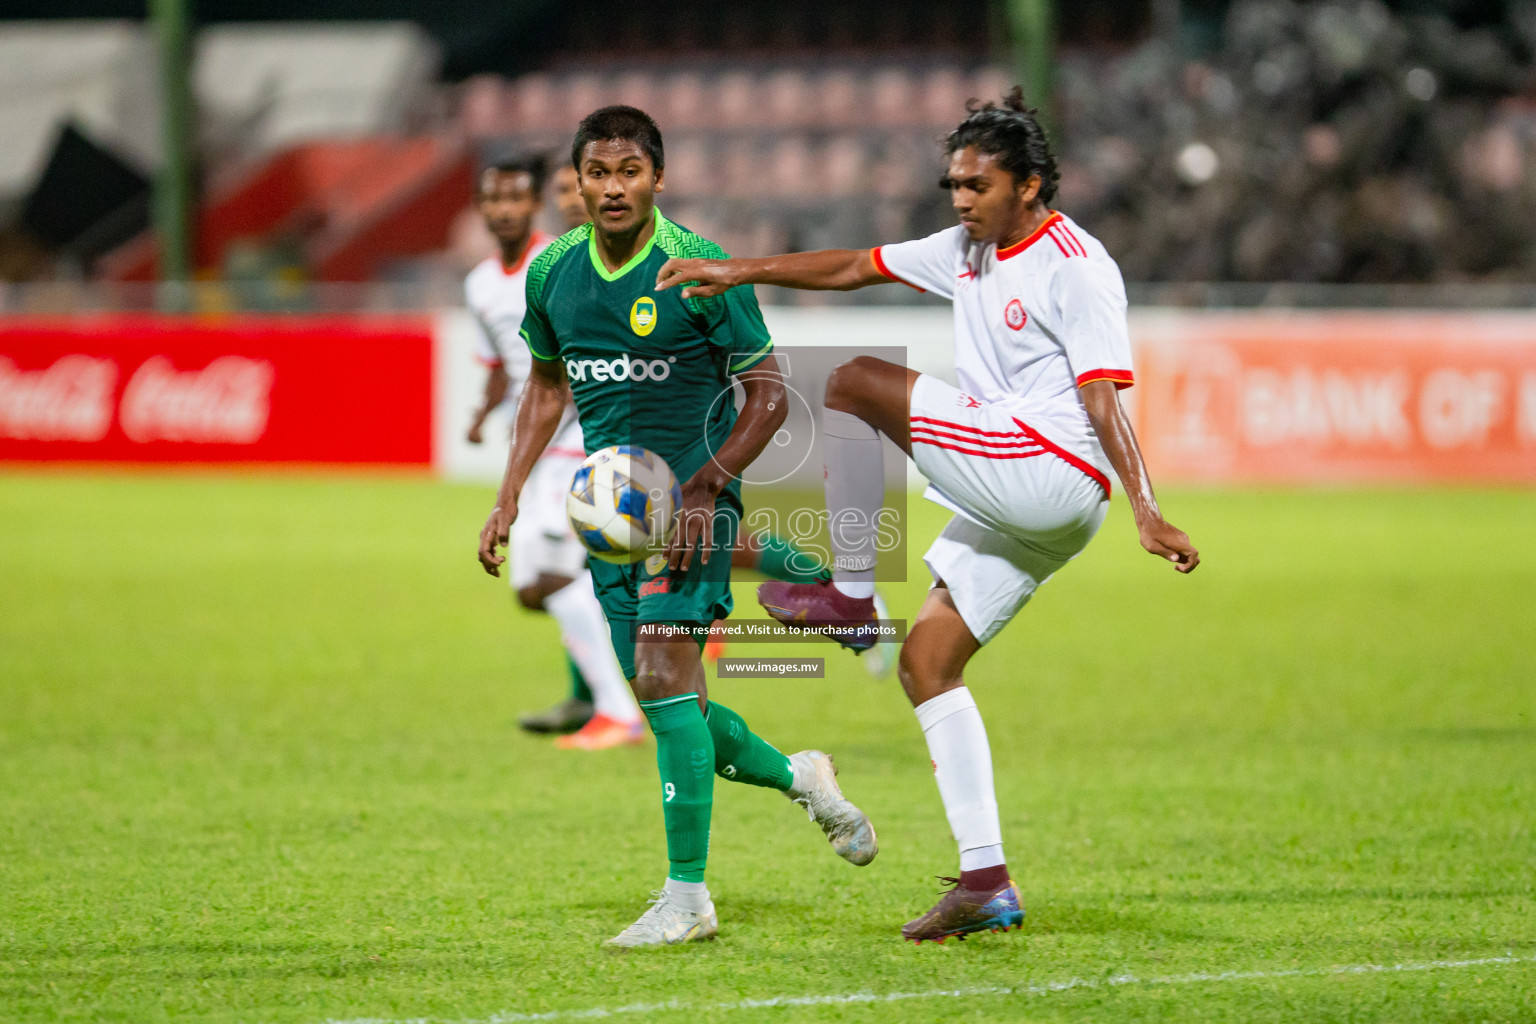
[[497, 296], [1033, 322]]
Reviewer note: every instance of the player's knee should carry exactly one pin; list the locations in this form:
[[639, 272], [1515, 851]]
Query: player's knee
[[531, 597], [924, 677], [848, 382], [651, 684]]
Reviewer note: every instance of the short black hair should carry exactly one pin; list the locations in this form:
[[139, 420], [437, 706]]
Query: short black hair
[[1011, 132], [535, 165], [619, 122]]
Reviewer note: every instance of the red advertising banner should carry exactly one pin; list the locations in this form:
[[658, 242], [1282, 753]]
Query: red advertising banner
[[1337, 397], [137, 388]]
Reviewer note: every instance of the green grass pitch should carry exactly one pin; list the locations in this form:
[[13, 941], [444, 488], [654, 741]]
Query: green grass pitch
[[258, 763]]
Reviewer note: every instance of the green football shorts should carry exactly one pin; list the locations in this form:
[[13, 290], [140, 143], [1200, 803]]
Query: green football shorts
[[647, 593]]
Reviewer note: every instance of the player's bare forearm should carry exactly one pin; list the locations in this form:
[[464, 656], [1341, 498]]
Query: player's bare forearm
[[495, 392], [1113, 428], [824, 270], [538, 417], [762, 414]]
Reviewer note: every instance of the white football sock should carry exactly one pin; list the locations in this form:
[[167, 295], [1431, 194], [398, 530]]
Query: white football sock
[[982, 857], [691, 896], [584, 632], [962, 766], [855, 488]]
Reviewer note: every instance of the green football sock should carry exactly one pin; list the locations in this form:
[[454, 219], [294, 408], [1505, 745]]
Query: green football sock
[[684, 755], [781, 559], [743, 756], [579, 688]]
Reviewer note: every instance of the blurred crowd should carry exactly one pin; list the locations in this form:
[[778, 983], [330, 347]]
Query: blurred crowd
[[1331, 142], [1292, 141], [761, 156]]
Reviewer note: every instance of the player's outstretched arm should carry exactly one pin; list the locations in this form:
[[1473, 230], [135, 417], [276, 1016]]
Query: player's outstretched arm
[[538, 417], [762, 414], [1158, 535], [824, 270]]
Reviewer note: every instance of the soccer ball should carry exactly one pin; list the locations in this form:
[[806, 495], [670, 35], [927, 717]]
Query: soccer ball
[[621, 503]]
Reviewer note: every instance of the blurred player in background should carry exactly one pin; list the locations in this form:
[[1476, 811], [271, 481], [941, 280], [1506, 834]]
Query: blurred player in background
[[585, 296], [1023, 454], [568, 202], [548, 563], [517, 235]]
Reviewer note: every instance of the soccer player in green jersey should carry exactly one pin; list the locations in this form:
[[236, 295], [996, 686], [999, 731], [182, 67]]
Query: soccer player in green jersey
[[652, 369]]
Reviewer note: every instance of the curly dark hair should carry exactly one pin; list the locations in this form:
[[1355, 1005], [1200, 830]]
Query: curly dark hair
[[1011, 132], [619, 122]]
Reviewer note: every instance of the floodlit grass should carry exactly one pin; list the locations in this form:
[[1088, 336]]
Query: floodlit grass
[[259, 763]]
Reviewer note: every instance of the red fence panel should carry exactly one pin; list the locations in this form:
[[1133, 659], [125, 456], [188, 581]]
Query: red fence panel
[[143, 388]]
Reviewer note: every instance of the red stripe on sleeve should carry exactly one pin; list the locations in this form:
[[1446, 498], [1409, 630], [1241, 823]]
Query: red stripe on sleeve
[[885, 271], [1122, 379]]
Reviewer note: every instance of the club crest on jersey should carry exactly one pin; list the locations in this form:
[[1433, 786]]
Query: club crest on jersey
[[655, 564], [1015, 315], [642, 316]]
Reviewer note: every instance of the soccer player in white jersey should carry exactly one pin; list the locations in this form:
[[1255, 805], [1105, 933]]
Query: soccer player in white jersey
[[1022, 451], [549, 571]]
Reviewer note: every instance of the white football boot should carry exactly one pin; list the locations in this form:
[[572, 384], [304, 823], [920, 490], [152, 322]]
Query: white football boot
[[880, 660], [667, 924], [815, 788]]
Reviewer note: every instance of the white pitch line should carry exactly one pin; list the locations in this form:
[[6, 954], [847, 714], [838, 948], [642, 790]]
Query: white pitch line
[[1037, 989]]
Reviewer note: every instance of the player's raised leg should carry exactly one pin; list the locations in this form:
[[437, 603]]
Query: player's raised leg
[[865, 397], [933, 660]]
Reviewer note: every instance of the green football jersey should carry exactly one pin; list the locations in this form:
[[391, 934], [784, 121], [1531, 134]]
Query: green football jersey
[[646, 367]]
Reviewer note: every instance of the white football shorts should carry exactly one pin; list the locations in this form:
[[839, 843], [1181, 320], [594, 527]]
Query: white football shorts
[[1023, 509], [542, 539]]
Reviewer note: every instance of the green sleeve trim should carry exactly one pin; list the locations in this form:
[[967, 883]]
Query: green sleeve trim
[[748, 361], [532, 348]]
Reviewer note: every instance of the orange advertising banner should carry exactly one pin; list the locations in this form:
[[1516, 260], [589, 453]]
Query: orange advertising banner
[[1346, 397]]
